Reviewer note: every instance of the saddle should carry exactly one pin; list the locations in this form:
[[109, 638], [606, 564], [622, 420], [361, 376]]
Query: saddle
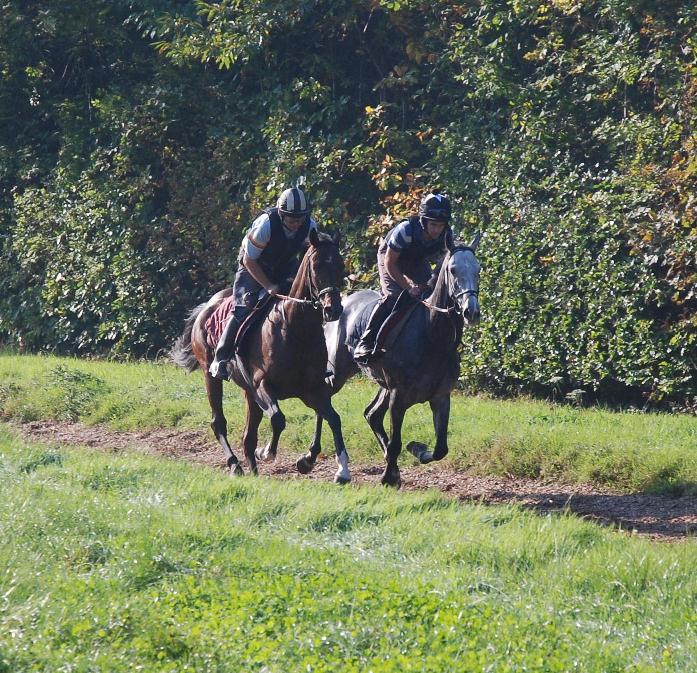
[[391, 327], [394, 323], [218, 320]]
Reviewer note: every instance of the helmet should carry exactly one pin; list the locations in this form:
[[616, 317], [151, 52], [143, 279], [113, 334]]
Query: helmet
[[293, 202], [435, 206]]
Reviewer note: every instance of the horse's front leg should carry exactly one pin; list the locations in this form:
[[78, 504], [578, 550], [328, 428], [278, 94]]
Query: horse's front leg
[[214, 390], [392, 476], [440, 408], [324, 410], [269, 405]]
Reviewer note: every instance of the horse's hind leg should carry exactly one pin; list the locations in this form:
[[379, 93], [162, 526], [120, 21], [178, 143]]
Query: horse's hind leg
[[374, 413], [214, 389], [269, 405], [307, 462], [251, 431]]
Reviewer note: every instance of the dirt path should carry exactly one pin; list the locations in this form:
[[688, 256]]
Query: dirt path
[[658, 517]]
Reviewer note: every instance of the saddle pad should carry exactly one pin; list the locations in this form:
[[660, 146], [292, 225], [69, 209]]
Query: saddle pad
[[215, 325], [355, 330], [390, 329]]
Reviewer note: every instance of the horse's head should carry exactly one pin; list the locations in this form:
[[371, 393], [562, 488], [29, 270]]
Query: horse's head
[[326, 269], [463, 279]]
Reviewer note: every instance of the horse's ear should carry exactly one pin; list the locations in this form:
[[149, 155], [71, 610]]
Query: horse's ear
[[475, 240], [314, 237], [449, 240], [336, 238]]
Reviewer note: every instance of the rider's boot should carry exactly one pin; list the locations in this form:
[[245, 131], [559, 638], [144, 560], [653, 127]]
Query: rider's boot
[[365, 348], [225, 350]]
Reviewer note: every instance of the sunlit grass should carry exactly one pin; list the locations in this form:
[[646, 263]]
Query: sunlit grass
[[524, 437], [113, 562]]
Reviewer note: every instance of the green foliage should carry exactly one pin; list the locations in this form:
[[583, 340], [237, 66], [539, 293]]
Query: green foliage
[[145, 135]]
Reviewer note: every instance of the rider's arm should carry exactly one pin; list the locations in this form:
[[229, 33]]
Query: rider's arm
[[256, 272], [256, 240], [392, 268]]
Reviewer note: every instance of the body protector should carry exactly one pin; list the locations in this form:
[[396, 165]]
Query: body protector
[[278, 258], [418, 249]]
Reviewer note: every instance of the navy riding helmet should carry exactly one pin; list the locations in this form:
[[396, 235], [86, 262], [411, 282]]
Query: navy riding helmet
[[435, 206]]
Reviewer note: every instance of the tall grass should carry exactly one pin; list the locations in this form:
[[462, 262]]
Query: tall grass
[[122, 563], [625, 449]]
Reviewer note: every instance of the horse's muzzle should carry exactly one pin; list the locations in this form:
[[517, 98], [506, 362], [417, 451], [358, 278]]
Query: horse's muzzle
[[471, 311]]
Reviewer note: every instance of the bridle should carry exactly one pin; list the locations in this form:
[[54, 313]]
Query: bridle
[[456, 295], [316, 295]]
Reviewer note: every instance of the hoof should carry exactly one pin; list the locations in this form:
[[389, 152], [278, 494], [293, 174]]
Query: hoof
[[236, 470], [341, 479], [304, 465], [420, 452], [265, 455], [392, 478]]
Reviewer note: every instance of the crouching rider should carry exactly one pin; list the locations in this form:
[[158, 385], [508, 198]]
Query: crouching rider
[[268, 262], [404, 263]]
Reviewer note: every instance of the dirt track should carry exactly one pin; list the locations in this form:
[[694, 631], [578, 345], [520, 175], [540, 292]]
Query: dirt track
[[658, 517]]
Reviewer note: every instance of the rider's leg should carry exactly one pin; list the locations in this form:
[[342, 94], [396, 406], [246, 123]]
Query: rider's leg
[[245, 291], [226, 346], [365, 348], [390, 293]]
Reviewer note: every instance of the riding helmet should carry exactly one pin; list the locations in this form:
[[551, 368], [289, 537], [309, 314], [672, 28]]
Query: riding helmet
[[435, 206], [293, 202]]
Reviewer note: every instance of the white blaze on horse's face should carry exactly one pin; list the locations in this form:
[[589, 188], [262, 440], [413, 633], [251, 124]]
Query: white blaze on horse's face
[[463, 276]]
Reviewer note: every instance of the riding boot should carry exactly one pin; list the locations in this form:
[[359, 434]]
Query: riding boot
[[225, 349], [365, 349]]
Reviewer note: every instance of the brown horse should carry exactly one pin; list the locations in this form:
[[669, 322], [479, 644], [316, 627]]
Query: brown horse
[[285, 355]]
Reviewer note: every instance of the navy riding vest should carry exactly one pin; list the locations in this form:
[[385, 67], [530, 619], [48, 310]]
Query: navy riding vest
[[280, 252], [420, 249]]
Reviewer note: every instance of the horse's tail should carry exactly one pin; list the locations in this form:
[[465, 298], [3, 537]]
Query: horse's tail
[[182, 354]]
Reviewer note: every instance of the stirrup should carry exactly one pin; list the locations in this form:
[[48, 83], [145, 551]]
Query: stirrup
[[218, 370]]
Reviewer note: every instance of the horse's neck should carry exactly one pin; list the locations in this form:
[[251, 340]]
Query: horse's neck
[[298, 314], [443, 327], [301, 286]]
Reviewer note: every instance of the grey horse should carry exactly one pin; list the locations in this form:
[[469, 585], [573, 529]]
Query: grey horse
[[423, 363]]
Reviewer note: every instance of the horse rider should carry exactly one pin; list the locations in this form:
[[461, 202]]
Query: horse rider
[[268, 262], [404, 263]]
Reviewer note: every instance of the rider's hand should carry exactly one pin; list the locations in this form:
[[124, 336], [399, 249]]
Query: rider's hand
[[273, 290], [415, 291]]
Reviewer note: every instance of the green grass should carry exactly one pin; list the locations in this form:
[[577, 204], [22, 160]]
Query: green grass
[[129, 562], [629, 450]]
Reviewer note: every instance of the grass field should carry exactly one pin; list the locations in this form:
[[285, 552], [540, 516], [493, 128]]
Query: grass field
[[627, 450], [128, 562]]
